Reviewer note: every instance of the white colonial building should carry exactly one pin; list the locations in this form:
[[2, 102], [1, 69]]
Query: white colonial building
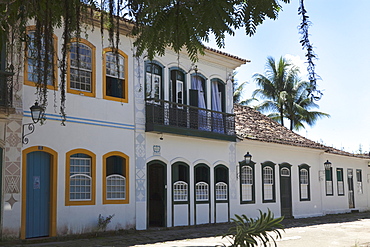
[[155, 143]]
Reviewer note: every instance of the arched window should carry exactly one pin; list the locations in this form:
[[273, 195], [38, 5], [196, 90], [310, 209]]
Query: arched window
[[180, 181], [115, 75], [247, 183], [221, 183], [268, 179], [80, 179], [115, 178], [153, 84], [178, 86], [201, 183], [81, 68], [304, 182]]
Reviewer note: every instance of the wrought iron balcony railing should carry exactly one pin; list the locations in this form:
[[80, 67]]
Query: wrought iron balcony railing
[[6, 89], [170, 117]]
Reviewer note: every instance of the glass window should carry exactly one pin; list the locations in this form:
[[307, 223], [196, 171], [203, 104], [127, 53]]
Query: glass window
[[80, 177], [268, 179], [153, 86], [31, 76], [221, 191], [329, 181], [180, 181], [340, 182], [201, 182], [178, 87], [81, 68], [180, 191], [247, 183], [359, 181], [115, 87], [304, 182], [201, 191], [221, 183]]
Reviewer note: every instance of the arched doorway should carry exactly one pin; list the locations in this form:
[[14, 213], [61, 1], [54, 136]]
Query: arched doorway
[[157, 201], [39, 192]]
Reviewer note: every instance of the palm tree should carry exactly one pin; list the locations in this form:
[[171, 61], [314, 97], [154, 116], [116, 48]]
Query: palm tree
[[285, 95], [274, 86], [298, 105]]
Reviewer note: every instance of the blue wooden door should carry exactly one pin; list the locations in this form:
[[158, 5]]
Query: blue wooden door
[[38, 194]]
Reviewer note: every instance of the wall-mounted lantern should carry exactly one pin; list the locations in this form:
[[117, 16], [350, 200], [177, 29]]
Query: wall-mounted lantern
[[246, 161], [327, 165], [37, 113]]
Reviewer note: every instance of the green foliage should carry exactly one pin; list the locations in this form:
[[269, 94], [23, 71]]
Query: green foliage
[[156, 25], [186, 24], [249, 232], [285, 95]]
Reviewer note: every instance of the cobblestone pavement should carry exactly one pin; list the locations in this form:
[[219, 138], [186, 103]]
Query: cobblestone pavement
[[343, 230]]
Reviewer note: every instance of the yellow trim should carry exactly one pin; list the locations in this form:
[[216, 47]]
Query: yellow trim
[[93, 165], [127, 175], [55, 57], [53, 189], [93, 70], [125, 81]]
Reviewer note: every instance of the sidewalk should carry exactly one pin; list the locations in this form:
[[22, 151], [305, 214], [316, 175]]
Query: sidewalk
[[330, 230]]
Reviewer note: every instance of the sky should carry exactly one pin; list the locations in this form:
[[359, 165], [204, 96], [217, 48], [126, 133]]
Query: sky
[[340, 34]]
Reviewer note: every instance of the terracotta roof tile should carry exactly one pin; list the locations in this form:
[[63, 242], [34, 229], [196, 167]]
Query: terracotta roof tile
[[253, 125], [227, 54]]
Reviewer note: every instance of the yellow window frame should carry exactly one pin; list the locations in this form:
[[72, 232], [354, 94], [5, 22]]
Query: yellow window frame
[[68, 202], [55, 59], [125, 80], [93, 69], [127, 175]]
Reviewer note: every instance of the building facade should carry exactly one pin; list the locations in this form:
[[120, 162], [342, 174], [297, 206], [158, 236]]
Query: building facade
[[154, 143]]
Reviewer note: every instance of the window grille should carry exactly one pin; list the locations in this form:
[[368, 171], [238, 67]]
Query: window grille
[[221, 191], [180, 191], [80, 187], [81, 69], [80, 178], [201, 191], [246, 177], [285, 172], [304, 183], [268, 182], [116, 187]]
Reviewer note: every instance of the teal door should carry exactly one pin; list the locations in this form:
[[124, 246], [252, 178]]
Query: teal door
[[38, 194]]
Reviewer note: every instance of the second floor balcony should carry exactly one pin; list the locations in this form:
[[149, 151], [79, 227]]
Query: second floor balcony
[[168, 117]]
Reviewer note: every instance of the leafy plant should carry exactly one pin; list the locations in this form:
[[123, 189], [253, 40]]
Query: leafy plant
[[104, 221], [249, 232]]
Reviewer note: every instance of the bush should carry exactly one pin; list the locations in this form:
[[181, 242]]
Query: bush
[[249, 232]]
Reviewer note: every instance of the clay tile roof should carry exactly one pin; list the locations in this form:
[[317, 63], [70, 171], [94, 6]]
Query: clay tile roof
[[227, 54], [253, 125]]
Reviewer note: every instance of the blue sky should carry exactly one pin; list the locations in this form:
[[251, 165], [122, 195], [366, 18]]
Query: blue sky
[[340, 34]]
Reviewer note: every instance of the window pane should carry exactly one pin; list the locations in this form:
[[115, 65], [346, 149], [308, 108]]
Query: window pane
[[80, 177], [116, 187], [32, 61], [81, 69], [180, 191], [221, 191], [201, 191]]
